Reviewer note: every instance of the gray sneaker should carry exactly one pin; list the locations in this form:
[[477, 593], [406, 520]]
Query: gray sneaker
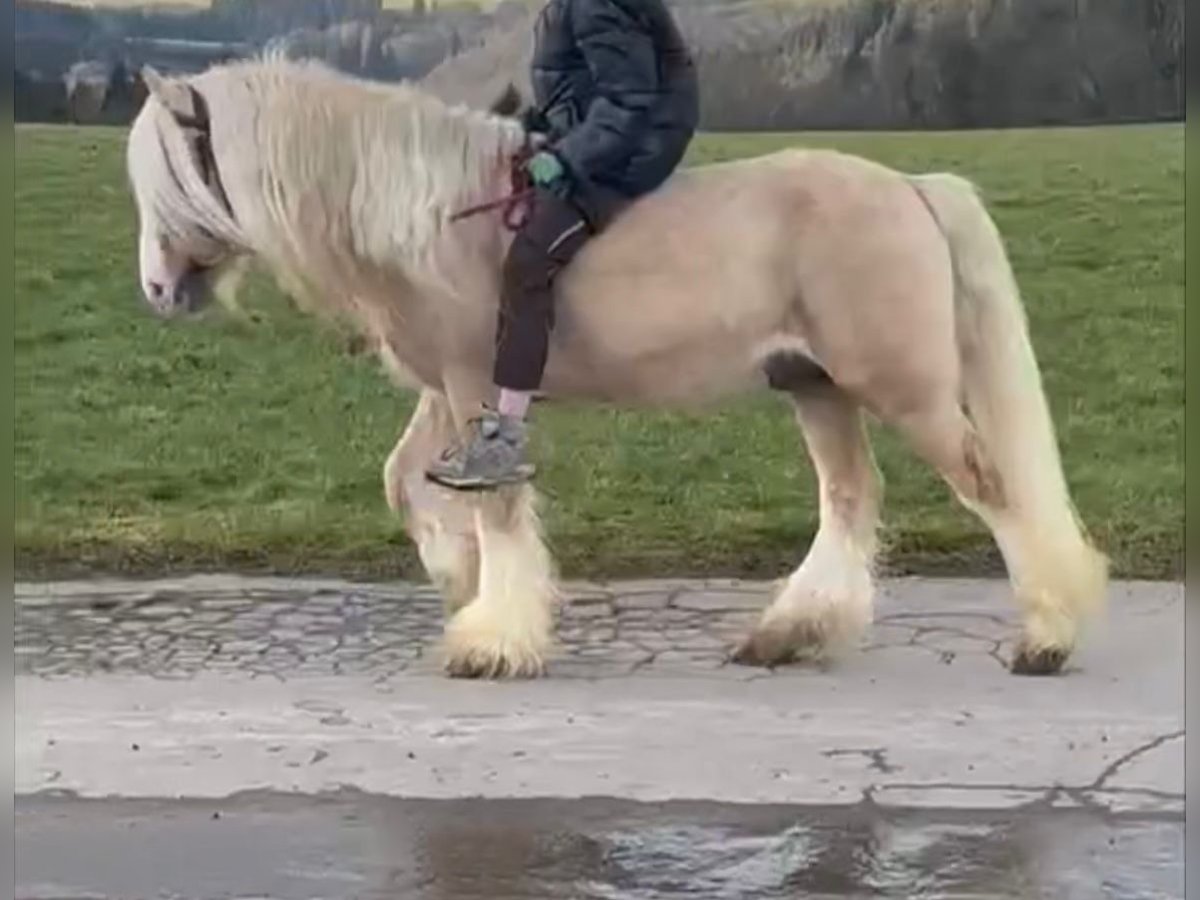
[[493, 455]]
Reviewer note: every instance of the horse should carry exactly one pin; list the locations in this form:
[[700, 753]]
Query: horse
[[849, 288]]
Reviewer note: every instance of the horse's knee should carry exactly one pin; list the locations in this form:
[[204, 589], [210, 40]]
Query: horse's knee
[[452, 562], [850, 499]]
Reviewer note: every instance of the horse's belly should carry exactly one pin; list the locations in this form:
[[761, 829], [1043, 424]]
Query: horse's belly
[[669, 305], [648, 347]]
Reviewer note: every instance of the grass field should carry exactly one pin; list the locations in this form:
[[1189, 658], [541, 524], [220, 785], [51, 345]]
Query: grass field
[[256, 444]]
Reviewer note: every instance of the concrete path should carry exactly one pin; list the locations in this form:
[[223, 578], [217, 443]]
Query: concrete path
[[208, 687]]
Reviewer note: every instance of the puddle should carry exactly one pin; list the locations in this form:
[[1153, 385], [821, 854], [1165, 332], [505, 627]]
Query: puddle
[[355, 846]]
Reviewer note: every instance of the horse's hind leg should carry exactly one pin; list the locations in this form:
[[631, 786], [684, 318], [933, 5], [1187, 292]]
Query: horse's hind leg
[[943, 434], [442, 524], [826, 603]]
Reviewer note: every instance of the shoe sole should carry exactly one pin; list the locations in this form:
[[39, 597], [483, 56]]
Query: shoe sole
[[477, 484]]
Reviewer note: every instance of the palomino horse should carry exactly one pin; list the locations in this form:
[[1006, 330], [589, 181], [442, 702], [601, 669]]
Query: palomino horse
[[847, 286]]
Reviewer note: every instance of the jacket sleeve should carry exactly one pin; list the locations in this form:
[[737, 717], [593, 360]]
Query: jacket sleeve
[[621, 57]]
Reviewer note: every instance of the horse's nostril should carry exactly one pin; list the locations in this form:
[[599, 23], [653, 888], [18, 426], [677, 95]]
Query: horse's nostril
[[156, 290]]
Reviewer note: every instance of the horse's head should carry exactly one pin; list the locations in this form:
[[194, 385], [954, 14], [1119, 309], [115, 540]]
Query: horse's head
[[187, 230], [185, 168]]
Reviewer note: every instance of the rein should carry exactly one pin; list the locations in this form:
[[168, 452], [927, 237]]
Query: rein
[[515, 204]]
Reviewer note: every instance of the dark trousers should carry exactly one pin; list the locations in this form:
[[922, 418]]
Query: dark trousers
[[555, 231]]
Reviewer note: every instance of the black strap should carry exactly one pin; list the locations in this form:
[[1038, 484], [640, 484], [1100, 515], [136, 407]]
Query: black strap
[[198, 127]]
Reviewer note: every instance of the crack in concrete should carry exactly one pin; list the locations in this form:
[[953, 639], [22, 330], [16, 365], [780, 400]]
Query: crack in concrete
[[643, 663], [875, 756], [673, 596], [1121, 761], [1085, 796]]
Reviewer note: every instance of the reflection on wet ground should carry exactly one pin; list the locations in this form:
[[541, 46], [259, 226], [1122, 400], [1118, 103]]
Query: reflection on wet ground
[[355, 846]]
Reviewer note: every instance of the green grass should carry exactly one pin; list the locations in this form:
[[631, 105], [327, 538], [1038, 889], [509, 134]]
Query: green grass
[[257, 444]]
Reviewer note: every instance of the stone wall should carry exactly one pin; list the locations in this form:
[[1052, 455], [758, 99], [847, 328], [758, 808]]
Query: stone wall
[[902, 63]]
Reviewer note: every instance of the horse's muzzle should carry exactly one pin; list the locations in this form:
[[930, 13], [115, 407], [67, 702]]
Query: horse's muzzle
[[190, 294]]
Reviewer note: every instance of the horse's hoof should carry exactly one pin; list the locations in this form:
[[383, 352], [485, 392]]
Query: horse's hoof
[[748, 653], [494, 666], [779, 640], [770, 647], [478, 643], [1040, 661]]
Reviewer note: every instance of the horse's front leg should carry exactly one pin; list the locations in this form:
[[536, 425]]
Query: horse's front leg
[[506, 631], [441, 523]]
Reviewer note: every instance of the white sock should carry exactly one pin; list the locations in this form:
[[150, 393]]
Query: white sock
[[514, 403]]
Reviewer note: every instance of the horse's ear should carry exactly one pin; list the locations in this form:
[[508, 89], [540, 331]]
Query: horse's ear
[[509, 103], [154, 82], [170, 92]]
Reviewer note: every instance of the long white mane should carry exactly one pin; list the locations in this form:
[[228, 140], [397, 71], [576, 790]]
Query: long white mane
[[327, 174]]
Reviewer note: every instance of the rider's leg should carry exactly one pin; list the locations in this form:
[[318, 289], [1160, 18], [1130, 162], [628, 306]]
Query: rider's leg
[[555, 232], [494, 453]]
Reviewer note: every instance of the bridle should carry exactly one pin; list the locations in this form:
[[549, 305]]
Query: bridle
[[197, 128]]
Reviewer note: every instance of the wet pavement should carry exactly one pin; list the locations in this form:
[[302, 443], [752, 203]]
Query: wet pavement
[[224, 737], [350, 845]]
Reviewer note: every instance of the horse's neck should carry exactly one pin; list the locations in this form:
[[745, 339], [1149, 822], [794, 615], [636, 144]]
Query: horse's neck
[[400, 241]]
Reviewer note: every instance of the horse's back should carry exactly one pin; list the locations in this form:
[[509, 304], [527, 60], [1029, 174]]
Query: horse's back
[[724, 209]]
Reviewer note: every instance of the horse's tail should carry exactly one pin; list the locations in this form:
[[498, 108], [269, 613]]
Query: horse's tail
[[1007, 404]]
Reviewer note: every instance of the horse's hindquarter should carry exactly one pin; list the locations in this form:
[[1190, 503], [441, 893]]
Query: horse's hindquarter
[[669, 303]]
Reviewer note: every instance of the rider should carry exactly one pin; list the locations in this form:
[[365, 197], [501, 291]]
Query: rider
[[617, 97]]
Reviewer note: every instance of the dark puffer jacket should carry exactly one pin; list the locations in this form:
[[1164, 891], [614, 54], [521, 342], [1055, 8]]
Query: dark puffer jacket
[[616, 88]]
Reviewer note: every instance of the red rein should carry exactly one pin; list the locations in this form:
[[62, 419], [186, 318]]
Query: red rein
[[515, 204]]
